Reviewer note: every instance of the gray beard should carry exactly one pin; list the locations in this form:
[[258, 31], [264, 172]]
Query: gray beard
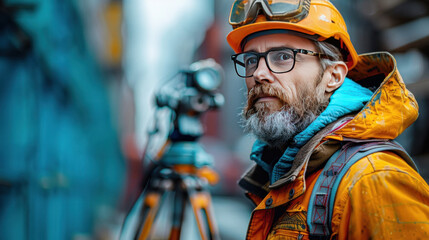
[[278, 128]]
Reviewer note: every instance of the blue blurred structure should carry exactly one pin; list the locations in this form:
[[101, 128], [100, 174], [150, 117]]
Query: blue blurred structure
[[61, 164]]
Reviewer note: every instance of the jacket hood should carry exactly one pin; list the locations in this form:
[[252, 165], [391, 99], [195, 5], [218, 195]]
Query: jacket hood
[[392, 107]]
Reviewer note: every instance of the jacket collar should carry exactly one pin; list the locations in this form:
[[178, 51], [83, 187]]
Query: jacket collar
[[256, 180]]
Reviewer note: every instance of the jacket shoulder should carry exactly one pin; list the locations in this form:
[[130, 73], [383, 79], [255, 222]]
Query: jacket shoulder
[[381, 195]]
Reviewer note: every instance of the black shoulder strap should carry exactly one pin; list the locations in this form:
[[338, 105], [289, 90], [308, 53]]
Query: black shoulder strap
[[322, 198]]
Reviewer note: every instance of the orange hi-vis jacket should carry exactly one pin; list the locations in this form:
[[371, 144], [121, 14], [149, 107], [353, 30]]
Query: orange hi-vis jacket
[[380, 197]]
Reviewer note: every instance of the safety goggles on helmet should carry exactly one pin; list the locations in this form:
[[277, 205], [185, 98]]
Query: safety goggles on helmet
[[246, 11]]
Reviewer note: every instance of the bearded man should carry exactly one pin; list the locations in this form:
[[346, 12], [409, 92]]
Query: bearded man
[[324, 118]]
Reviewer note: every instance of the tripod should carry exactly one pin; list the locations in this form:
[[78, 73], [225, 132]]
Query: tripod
[[181, 170], [182, 164]]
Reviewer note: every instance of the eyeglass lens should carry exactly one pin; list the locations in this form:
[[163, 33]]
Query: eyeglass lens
[[278, 61]]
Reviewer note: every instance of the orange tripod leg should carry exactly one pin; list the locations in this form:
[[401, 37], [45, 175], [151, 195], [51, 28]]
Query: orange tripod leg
[[150, 208], [179, 205], [201, 205]]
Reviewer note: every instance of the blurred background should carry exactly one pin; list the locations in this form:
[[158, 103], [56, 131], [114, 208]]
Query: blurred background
[[78, 79]]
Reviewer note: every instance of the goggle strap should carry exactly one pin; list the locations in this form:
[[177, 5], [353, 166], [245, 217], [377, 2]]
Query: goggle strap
[[338, 43]]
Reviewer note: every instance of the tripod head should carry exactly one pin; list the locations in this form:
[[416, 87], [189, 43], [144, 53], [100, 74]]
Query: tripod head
[[189, 94]]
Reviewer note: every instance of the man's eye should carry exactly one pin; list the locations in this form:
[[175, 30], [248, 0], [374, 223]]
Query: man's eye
[[282, 56], [252, 60]]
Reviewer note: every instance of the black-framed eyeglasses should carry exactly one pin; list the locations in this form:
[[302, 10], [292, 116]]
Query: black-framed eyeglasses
[[278, 60]]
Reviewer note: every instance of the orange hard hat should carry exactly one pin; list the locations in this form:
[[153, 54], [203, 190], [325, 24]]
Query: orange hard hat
[[318, 19]]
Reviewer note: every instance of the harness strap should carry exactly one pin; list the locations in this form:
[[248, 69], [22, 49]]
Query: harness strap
[[322, 198]]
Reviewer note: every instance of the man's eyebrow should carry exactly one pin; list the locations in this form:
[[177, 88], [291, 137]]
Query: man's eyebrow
[[279, 48], [270, 49]]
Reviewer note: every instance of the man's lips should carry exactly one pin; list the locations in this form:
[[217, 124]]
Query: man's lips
[[266, 98]]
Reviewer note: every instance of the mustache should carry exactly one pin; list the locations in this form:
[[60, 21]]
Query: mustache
[[265, 90]]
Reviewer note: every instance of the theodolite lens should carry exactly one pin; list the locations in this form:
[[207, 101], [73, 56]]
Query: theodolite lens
[[207, 75]]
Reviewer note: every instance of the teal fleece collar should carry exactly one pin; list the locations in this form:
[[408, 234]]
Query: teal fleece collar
[[350, 97]]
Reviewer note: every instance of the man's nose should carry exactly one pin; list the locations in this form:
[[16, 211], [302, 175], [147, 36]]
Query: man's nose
[[263, 73]]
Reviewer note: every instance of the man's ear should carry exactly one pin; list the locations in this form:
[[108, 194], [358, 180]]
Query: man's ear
[[337, 74]]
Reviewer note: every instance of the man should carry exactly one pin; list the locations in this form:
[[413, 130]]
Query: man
[[311, 96]]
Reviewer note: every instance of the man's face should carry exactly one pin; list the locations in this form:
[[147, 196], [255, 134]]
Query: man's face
[[281, 105]]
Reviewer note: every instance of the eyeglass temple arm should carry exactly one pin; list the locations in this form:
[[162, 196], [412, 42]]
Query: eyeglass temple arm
[[311, 53], [234, 58]]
